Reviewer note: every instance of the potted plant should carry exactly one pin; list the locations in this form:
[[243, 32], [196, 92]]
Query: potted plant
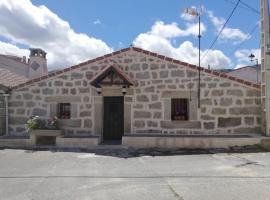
[[33, 123], [42, 129], [52, 123]]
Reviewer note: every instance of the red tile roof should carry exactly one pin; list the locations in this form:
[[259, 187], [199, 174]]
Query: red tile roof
[[194, 67]]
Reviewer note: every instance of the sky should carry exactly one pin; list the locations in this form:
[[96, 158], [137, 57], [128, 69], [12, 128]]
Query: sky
[[75, 31]]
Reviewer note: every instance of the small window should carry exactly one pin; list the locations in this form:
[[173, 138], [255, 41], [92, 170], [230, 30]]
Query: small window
[[64, 111], [179, 109]]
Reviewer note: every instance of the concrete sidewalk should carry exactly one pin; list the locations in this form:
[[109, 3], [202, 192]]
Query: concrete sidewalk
[[38, 175]]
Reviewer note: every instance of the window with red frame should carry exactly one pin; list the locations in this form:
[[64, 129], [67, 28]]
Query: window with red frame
[[179, 109], [64, 110]]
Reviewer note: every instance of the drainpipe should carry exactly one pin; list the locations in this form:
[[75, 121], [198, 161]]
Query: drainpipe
[[6, 103]]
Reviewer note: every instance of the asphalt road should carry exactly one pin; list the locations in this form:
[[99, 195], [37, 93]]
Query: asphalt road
[[65, 175]]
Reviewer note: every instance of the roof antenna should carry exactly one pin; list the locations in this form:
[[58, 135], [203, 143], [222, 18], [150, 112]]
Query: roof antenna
[[196, 13], [209, 67]]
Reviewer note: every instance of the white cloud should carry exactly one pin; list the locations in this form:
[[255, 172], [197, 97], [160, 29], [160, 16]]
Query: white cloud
[[27, 25], [10, 49], [243, 59], [97, 22], [172, 30], [162, 41], [36, 26], [165, 30], [218, 22], [216, 59], [228, 33]]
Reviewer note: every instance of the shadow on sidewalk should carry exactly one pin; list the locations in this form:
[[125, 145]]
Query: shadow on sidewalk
[[127, 152]]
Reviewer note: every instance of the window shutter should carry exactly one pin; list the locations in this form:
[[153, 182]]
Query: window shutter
[[74, 111]]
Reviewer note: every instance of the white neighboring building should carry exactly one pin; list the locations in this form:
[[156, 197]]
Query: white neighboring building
[[250, 73], [15, 70]]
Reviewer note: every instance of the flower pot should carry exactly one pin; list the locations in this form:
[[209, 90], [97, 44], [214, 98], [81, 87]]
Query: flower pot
[[44, 137]]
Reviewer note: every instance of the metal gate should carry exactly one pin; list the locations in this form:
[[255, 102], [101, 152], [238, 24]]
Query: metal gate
[[2, 115]]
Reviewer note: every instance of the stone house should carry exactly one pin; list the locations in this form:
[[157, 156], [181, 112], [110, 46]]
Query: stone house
[[136, 93], [15, 70]]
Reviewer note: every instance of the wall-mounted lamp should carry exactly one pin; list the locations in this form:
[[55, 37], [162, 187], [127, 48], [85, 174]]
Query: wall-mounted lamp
[[99, 90], [251, 57], [124, 90]]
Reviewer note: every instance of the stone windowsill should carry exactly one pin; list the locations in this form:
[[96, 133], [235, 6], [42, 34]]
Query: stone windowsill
[[180, 124]]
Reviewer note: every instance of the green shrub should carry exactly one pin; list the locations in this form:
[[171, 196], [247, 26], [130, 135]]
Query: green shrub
[[33, 123]]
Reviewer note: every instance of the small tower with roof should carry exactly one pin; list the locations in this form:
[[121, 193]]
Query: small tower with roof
[[37, 63]]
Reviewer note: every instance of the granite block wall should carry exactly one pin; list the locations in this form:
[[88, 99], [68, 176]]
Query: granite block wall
[[227, 106]]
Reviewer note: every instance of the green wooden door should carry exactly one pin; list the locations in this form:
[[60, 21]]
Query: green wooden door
[[113, 118]]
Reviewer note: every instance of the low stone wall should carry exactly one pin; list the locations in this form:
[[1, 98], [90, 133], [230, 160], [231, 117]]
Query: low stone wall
[[15, 143], [202, 142], [188, 142], [60, 142], [77, 142]]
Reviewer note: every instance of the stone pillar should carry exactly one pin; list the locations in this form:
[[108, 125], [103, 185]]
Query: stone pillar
[[127, 118], [265, 67], [98, 115]]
